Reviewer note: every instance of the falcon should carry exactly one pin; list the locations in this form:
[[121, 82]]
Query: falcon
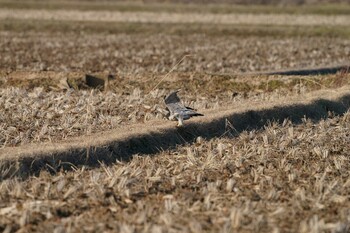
[[177, 111]]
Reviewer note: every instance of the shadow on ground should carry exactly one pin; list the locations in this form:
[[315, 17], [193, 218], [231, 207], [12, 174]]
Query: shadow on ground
[[315, 71], [155, 142]]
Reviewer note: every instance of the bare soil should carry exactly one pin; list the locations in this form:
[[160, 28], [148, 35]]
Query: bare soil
[[320, 8], [188, 18], [130, 55]]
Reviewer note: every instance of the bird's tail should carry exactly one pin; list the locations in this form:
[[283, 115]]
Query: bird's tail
[[197, 114]]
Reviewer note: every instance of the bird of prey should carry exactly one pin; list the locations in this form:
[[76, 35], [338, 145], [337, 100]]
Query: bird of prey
[[177, 110]]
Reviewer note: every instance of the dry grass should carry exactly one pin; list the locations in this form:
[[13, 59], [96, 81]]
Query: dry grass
[[158, 53], [187, 18], [39, 115], [212, 30], [282, 178], [134, 6]]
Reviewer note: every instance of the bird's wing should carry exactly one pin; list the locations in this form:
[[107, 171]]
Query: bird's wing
[[172, 98], [175, 106], [173, 103], [179, 109]]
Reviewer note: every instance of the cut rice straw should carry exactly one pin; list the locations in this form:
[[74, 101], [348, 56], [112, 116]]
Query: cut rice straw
[[167, 74]]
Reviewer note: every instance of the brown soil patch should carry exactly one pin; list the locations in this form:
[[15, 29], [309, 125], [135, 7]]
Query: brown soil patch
[[159, 17], [157, 53]]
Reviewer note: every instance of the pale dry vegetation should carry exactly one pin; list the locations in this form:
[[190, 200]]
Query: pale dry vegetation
[[287, 176], [169, 17], [283, 178], [321, 7], [139, 54], [39, 114]]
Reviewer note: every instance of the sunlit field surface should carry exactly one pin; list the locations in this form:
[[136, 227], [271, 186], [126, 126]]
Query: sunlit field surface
[[271, 153]]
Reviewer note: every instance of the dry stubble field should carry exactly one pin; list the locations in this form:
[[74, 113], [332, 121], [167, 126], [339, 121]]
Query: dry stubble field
[[263, 174]]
